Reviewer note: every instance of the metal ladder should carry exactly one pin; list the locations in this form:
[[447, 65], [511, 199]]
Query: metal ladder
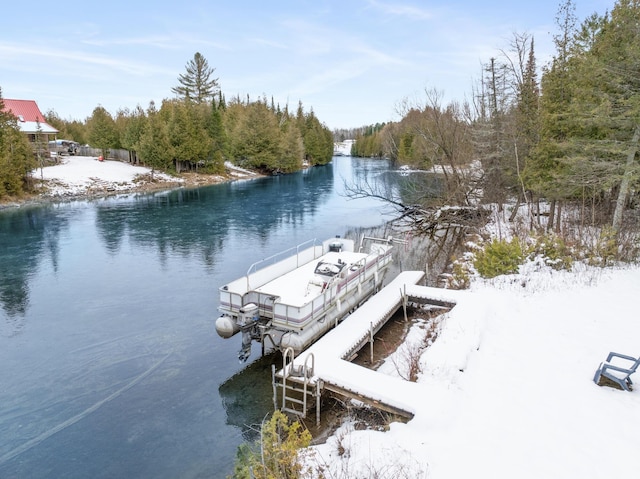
[[297, 387]]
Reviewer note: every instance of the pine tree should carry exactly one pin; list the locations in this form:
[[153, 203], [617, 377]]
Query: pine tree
[[16, 156], [197, 84], [256, 137], [546, 169], [133, 129], [187, 133], [292, 148], [591, 112], [102, 130], [618, 52], [218, 137], [154, 146]]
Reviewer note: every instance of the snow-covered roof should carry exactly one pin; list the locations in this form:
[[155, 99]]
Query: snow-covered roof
[[32, 127]]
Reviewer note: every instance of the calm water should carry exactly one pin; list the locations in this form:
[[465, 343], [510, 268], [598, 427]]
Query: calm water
[[110, 366]]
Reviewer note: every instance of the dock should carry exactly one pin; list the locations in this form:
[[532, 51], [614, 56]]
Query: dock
[[325, 365]]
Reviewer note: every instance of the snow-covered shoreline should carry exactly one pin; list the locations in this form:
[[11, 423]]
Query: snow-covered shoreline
[[508, 386], [84, 175], [80, 177]]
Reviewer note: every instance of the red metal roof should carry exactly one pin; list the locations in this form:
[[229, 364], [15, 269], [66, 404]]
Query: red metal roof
[[24, 110]]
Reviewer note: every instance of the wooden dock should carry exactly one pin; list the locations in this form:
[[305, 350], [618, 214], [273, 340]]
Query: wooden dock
[[325, 365]]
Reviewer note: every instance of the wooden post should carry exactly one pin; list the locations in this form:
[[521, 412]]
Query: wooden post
[[318, 394], [273, 385], [371, 341], [403, 298]]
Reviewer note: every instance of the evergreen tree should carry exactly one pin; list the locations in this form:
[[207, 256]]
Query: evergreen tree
[[591, 112], [16, 156], [133, 130], [102, 130], [218, 137], [318, 141], [546, 168], [187, 133], [256, 138], [617, 50], [197, 83], [154, 146], [292, 148], [528, 110]]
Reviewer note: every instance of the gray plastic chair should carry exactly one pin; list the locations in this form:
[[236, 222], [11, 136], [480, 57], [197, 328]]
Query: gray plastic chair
[[618, 373]]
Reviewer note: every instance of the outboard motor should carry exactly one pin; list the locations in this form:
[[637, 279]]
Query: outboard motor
[[247, 319]]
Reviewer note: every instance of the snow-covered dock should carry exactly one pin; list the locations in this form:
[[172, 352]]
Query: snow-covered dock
[[325, 365]]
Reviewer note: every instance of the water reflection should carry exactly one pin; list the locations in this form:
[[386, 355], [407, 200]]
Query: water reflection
[[186, 222], [26, 237], [248, 394], [197, 221]]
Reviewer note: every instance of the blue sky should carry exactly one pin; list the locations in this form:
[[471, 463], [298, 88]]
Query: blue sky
[[351, 61]]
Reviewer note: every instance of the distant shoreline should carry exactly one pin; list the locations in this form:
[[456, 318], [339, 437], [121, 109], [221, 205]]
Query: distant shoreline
[[184, 180]]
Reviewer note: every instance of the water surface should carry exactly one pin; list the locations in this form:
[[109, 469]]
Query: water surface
[[110, 364]]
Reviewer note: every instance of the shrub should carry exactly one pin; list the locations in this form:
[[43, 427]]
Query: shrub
[[605, 250], [554, 251], [499, 257], [275, 456], [460, 276]]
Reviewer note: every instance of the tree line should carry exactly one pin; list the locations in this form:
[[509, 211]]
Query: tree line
[[570, 136], [197, 130]]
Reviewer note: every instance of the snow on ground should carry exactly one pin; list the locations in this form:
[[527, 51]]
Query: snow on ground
[[343, 147], [506, 390], [78, 175], [236, 171], [508, 387]]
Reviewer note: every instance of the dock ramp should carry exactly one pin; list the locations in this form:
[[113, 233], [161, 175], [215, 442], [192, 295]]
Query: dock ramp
[[325, 365]]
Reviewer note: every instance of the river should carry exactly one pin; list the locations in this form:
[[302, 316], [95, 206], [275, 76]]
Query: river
[[110, 364]]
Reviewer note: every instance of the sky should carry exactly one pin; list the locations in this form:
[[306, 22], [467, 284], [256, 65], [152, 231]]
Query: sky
[[352, 61]]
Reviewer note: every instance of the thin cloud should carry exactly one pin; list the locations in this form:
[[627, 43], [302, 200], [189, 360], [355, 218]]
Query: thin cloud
[[165, 42], [403, 10], [71, 58]]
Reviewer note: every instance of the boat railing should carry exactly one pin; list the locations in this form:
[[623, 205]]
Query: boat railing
[[282, 262], [273, 259], [299, 316]]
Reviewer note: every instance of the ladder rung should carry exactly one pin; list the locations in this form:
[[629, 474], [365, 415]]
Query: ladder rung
[[297, 390], [292, 411]]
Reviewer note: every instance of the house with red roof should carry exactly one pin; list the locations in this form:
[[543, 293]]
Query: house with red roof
[[31, 121]]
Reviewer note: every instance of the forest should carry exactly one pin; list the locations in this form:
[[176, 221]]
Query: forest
[[568, 136]]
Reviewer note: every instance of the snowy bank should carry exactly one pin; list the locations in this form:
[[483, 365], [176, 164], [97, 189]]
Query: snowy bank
[[508, 388], [83, 175]]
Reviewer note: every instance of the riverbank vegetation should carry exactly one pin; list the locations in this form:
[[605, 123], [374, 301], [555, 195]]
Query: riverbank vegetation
[[567, 141], [197, 130]]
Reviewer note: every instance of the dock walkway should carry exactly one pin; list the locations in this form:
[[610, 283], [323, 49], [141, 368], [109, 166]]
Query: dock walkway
[[331, 367]]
